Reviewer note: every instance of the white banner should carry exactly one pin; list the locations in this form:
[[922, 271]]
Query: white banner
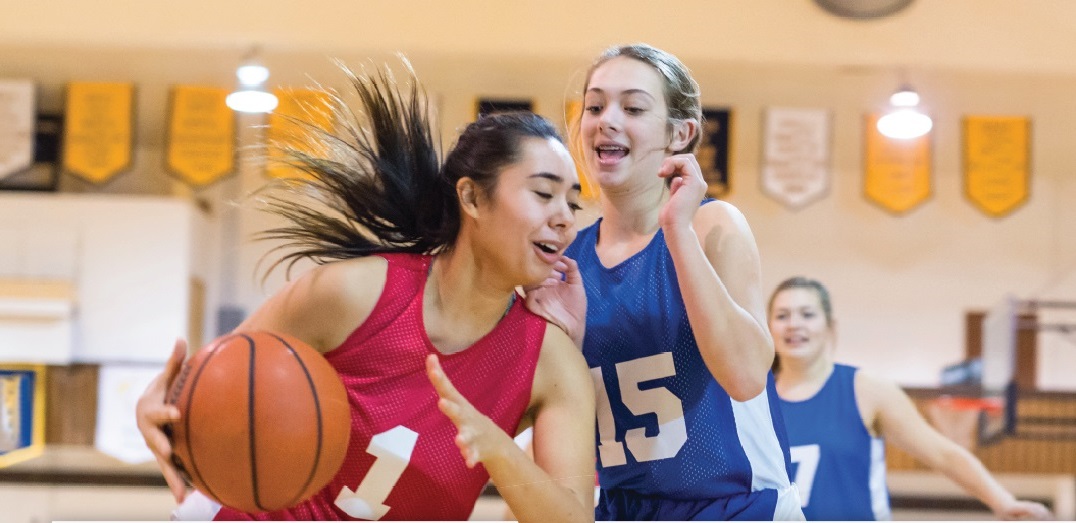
[[796, 155], [16, 126]]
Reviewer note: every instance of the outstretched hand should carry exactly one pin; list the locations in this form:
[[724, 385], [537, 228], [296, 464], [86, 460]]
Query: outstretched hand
[[477, 437], [561, 299], [152, 413], [686, 190], [1025, 510]]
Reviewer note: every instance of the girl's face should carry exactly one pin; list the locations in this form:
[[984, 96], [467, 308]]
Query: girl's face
[[799, 326], [624, 128], [528, 221]]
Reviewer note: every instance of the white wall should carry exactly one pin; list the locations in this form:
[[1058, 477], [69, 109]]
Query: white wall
[[901, 284]]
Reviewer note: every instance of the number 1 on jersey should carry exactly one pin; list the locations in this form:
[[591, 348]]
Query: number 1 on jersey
[[392, 450]]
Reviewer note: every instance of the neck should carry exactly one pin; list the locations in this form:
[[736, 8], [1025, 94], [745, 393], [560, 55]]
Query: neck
[[632, 211], [461, 292], [799, 380]]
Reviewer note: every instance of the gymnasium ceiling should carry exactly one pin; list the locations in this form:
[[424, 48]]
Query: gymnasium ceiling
[[156, 43]]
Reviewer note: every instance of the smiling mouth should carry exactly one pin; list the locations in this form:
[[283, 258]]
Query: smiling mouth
[[545, 247], [611, 152]]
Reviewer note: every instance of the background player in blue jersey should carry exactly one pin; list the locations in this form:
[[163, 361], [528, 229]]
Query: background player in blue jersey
[[675, 329], [837, 418]]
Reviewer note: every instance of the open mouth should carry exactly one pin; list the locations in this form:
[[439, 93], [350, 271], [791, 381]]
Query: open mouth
[[546, 247], [611, 152]]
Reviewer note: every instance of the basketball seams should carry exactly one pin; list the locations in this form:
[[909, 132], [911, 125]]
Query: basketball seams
[[225, 471], [251, 423], [318, 417], [186, 416]]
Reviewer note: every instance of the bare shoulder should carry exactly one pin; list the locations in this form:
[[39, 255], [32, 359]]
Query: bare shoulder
[[562, 371], [875, 395], [324, 305], [720, 213]]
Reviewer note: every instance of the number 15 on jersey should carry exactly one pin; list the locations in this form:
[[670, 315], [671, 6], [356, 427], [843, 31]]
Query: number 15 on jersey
[[660, 401]]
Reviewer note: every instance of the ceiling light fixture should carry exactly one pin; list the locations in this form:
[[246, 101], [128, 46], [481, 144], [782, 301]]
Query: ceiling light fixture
[[904, 121], [251, 96]]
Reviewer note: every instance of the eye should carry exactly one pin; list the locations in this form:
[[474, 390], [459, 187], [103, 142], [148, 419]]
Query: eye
[[593, 109], [634, 110], [575, 207], [543, 195]]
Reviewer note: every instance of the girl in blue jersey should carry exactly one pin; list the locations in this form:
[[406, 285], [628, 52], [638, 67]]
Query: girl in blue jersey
[[837, 418], [675, 330]]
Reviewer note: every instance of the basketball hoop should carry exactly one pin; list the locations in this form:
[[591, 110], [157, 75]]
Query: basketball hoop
[[957, 418]]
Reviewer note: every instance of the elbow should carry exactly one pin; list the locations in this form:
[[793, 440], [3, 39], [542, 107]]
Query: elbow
[[747, 387]]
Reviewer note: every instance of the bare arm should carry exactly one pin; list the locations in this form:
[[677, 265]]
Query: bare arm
[[313, 308], [719, 273], [557, 485], [899, 421]]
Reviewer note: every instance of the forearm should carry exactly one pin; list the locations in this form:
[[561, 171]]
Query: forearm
[[735, 346], [531, 494], [967, 471]]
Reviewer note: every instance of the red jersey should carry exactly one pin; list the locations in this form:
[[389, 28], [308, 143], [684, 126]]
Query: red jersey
[[402, 460]]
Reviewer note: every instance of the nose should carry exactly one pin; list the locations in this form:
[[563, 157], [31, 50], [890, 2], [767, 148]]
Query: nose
[[609, 120], [563, 218]]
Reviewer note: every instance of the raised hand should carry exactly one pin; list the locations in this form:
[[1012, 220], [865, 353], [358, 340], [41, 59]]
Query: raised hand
[[685, 191], [152, 413], [561, 299], [477, 437]]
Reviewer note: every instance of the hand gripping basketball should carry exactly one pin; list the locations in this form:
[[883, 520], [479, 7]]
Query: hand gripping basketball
[[264, 421]]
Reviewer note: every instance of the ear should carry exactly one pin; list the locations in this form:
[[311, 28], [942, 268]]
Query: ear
[[683, 132], [467, 192]]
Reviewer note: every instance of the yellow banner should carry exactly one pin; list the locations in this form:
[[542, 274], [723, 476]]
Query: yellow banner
[[98, 130], [201, 135], [306, 105], [996, 162], [573, 111], [897, 172]]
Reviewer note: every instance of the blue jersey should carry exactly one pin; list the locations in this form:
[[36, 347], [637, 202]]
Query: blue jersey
[[838, 466], [666, 428]]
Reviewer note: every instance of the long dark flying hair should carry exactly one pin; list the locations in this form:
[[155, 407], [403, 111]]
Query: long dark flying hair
[[376, 183]]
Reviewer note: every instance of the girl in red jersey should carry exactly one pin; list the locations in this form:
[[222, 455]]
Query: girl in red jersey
[[413, 303]]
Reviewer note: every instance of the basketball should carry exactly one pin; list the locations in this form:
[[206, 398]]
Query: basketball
[[264, 421]]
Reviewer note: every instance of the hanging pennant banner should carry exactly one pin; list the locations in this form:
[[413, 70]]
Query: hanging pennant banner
[[997, 162], [98, 130], [715, 147], [796, 155], [573, 111], [22, 413], [897, 171], [201, 135], [288, 129], [16, 126]]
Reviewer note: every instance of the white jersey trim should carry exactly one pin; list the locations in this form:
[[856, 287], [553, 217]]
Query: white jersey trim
[[755, 430], [879, 492]]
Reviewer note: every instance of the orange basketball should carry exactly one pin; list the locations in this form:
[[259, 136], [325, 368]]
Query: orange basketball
[[264, 421]]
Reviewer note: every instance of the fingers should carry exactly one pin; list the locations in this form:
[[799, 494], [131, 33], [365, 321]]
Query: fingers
[[679, 165], [440, 381], [571, 271], [470, 455], [175, 361], [176, 485]]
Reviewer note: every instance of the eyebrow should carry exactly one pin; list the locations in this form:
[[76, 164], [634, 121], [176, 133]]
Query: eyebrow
[[627, 91], [555, 178]]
